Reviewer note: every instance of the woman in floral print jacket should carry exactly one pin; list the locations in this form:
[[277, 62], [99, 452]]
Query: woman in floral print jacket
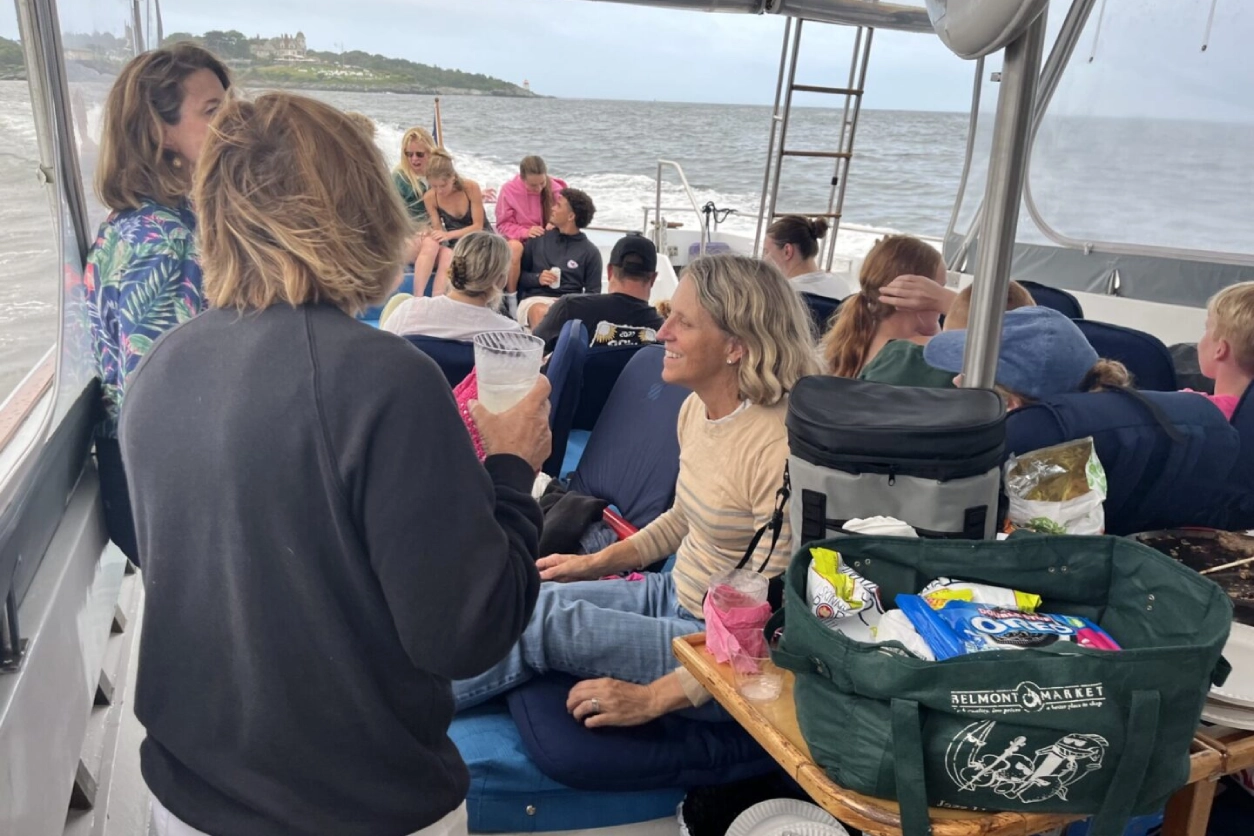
[[143, 273]]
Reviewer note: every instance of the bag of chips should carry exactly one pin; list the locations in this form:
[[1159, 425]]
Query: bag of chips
[[841, 598]]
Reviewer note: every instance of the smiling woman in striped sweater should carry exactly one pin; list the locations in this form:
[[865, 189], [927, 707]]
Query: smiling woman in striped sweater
[[739, 338]]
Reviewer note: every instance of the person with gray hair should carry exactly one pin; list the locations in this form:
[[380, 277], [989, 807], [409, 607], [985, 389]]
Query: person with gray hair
[[477, 277]]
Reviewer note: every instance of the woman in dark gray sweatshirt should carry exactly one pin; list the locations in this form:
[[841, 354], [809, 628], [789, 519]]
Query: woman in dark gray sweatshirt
[[322, 550]]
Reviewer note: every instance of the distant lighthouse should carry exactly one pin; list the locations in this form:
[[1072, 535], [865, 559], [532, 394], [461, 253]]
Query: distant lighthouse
[[527, 85]]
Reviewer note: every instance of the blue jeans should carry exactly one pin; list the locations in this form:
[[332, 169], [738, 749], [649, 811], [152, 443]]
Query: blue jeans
[[592, 629]]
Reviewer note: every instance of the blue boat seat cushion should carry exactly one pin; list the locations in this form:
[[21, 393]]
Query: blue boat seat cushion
[[454, 357], [632, 457], [821, 309], [565, 374], [1238, 499], [508, 793], [1053, 297], [1153, 480], [1146, 357], [671, 751], [602, 368]]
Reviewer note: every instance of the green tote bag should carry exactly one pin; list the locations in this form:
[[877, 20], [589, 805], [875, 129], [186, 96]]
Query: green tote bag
[[1062, 729]]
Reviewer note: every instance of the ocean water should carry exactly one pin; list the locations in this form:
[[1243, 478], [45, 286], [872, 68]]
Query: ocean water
[[904, 175], [29, 274]]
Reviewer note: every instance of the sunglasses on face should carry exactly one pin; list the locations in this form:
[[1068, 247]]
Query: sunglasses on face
[[417, 154]]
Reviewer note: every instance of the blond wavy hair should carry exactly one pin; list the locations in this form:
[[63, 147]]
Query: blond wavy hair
[[1233, 311], [440, 165], [146, 100], [750, 300], [279, 225], [480, 266], [423, 137]]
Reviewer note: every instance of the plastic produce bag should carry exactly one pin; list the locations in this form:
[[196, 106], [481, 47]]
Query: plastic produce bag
[[1057, 490]]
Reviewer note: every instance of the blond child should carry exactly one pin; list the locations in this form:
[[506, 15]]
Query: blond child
[[1226, 351]]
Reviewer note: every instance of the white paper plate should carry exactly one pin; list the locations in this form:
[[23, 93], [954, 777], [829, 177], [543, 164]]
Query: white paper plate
[[785, 812], [790, 826], [1239, 651], [1228, 715]]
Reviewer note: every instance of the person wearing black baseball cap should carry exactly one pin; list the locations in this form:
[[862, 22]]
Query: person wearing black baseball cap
[[632, 271]]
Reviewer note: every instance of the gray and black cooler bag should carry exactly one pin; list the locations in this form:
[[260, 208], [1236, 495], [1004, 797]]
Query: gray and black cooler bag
[[929, 457]]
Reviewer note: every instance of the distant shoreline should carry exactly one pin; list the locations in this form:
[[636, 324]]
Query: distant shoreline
[[346, 87], [408, 89]]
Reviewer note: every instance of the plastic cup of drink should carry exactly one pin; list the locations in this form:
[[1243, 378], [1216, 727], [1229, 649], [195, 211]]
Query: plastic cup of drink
[[757, 678], [507, 365], [736, 588]]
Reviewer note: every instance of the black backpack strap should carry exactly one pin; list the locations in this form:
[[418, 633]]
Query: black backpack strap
[[775, 525], [1154, 410]]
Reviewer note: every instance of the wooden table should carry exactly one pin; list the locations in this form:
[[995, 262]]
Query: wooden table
[[1217, 752], [774, 726]]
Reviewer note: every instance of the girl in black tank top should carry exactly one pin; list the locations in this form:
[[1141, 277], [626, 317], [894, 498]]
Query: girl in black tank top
[[447, 227], [448, 223], [453, 222]]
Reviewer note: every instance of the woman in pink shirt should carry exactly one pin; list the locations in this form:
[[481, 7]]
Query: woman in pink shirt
[[522, 209]]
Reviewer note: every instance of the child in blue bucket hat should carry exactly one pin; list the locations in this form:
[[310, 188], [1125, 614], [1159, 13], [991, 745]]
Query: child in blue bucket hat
[[1043, 353]]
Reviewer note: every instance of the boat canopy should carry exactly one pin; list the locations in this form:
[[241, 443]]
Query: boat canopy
[[1139, 180], [904, 17]]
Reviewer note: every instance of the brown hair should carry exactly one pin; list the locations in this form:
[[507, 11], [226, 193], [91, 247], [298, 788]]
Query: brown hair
[[440, 165], [750, 300], [959, 313], [363, 123], [846, 344], [529, 165], [276, 224], [147, 96], [423, 138], [1233, 312], [802, 233]]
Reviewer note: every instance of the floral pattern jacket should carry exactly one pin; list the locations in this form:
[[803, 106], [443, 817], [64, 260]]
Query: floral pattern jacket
[[142, 279]]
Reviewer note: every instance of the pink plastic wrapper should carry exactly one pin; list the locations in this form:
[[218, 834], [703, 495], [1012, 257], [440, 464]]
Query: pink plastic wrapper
[[734, 633]]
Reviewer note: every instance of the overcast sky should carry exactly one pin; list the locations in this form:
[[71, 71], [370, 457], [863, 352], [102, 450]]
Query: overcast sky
[[578, 48]]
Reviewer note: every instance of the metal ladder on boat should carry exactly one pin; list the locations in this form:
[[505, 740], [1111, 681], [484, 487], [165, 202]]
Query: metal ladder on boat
[[781, 116]]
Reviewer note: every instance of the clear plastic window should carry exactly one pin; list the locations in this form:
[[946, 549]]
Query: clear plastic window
[[1147, 140]]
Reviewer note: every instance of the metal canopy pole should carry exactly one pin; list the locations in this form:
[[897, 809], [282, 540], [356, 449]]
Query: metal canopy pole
[[1007, 164]]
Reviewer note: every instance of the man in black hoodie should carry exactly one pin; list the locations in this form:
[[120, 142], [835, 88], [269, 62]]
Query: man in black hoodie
[[560, 262]]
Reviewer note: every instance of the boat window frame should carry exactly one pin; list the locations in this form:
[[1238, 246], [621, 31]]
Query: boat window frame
[[40, 39]]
